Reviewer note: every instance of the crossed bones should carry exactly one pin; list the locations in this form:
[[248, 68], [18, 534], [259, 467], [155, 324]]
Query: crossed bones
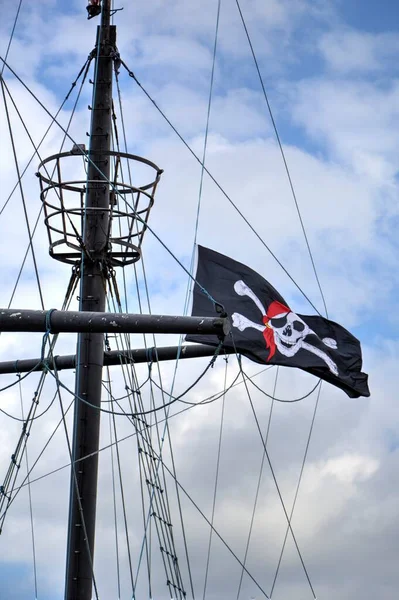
[[242, 323]]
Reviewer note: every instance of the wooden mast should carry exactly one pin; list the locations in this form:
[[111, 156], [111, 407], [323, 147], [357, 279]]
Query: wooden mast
[[90, 346]]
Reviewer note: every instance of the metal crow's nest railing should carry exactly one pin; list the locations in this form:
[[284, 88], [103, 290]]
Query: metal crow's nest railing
[[64, 185]]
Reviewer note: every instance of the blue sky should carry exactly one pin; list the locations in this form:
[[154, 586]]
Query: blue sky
[[331, 71], [373, 16]]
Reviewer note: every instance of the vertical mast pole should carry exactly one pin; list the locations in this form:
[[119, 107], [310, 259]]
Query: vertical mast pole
[[90, 346]]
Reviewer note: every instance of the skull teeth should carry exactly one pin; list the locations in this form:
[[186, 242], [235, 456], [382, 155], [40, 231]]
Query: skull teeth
[[288, 344]]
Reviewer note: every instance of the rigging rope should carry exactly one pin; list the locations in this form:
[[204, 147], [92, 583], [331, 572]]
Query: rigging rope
[[121, 439], [146, 412], [284, 159], [208, 115], [153, 454], [131, 74], [11, 35], [167, 469], [166, 541], [86, 155], [24, 481], [159, 500], [22, 195], [297, 489], [161, 511], [53, 120], [276, 484], [106, 447], [77, 491], [166, 432], [209, 399], [32, 529], [9, 484], [318, 384], [124, 513], [118, 577], [212, 527], [218, 185], [216, 397], [9, 481], [216, 480], [258, 484], [147, 536], [122, 493], [166, 429], [34, 399], [58, 193]]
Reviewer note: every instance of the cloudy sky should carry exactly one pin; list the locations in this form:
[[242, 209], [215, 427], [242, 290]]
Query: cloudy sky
[[331, 73]]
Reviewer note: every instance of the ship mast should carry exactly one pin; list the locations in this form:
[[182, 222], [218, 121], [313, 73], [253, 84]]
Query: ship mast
[[90, 346]]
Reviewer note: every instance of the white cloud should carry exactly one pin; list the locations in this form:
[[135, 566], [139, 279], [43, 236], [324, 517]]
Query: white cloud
[[350, 468], [344, 173], [349, 51], [357, 122]]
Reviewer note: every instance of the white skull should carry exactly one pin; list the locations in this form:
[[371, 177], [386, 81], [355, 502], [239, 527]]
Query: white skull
[[289, 332]]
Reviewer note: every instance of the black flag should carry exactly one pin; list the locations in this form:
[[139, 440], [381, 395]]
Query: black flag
[[266, 330]]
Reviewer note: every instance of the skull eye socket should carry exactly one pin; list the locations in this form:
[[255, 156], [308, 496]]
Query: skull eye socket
[[298, 326], [281, 322]]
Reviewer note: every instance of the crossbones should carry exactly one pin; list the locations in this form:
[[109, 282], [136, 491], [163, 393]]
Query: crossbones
[[282, 328]]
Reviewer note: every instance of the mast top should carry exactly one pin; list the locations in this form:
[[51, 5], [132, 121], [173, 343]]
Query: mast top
[[93, 8]]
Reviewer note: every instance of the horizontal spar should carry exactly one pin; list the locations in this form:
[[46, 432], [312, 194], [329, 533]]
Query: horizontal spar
[[63, 321], [113, 357]]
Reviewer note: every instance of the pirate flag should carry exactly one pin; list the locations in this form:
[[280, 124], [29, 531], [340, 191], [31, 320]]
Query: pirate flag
[[266, 330]]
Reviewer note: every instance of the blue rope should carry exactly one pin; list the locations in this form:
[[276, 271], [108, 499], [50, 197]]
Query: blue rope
[[46, 336], [48, 320]]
